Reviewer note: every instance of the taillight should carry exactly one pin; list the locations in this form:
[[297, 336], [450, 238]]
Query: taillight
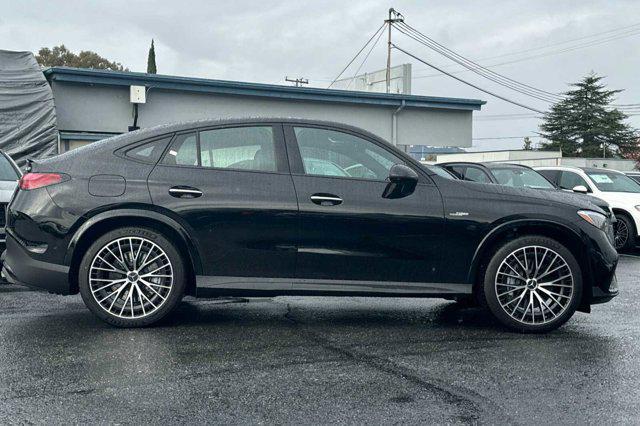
[[38, 180]]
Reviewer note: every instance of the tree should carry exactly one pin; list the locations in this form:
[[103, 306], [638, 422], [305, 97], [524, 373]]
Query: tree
[[151, 60], [60, 56], [528, 144], [584, 124]]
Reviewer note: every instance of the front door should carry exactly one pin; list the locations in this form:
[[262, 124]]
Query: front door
[[232, 188], [348, 229]]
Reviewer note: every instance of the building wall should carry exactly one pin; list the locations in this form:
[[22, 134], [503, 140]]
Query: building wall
[[539, 159], [515, 156], [86, 108]]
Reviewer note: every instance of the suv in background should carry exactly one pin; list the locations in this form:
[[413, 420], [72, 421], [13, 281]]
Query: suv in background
[[634, 175], [619, 190], [515, 175]]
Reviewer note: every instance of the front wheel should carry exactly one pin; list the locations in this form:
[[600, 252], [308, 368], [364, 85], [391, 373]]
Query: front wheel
[[131, 277], [533, 284], [624, 232]]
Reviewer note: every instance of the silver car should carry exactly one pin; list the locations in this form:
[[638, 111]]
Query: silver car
[[9, 175]]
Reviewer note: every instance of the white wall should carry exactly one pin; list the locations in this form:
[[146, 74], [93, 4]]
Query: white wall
[[107, 109]]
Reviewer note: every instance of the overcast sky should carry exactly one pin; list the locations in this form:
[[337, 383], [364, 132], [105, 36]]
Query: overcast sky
[[262, 41]]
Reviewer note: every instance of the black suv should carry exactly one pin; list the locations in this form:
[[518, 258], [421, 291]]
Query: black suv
[[283, 207]]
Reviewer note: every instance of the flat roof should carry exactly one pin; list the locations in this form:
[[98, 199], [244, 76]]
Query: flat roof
[[237, 88]]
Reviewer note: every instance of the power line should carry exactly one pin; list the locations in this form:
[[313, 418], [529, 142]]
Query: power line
[[357, 54], [467, 83], [477, 68], [545, 54], [365, 58]]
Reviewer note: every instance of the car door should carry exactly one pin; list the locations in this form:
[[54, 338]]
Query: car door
[[349, 231], [232, 188]]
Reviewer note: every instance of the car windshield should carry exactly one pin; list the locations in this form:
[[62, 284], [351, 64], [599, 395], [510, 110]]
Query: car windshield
[[521, 178], [7, 172], [613, 182]]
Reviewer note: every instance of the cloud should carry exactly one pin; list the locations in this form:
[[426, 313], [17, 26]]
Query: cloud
[[265, 40]]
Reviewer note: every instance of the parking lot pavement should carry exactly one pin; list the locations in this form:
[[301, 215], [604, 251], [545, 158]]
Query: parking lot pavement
[[310, 359]]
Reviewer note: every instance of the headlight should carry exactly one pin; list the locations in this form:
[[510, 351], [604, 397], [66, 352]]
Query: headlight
[[637, 208], [596, 219]]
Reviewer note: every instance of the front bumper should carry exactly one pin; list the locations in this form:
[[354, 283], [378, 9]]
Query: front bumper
[[20, 268]]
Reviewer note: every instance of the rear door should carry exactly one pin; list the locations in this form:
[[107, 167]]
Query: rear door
[[232, 188], [348, 230]]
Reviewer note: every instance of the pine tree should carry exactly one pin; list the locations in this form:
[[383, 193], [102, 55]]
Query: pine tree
[[151, 60], [527, 144], [583, 123]]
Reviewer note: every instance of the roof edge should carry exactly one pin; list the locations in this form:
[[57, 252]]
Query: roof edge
[[192, 84]]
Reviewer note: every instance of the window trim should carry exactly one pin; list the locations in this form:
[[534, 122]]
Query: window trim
[[282, 165], [295, 158], [122, 152]]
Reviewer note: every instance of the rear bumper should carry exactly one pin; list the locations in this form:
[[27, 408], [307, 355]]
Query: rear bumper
[[20, 268]]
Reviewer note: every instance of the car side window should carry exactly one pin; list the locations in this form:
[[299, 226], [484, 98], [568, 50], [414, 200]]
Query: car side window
[[569, 180], [7, 172], [551, 175], [183, 151], [148, 152], [475, 174], [327, 152], [246, 148]]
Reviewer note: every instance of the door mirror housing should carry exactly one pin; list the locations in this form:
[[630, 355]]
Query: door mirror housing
[[580, 189], [402, 182], [401, 173]]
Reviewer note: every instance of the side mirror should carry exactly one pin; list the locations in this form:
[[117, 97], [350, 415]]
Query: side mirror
[[580, 189], [400, 173], [402, 182]]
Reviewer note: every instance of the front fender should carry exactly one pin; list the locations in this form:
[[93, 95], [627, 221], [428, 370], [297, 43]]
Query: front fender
[[519, 227]]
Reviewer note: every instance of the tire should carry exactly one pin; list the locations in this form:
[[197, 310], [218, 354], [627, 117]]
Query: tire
[[626, 241], [506, 284], [152, 287]]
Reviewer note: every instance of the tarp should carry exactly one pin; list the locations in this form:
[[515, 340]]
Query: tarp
[[27, 113]]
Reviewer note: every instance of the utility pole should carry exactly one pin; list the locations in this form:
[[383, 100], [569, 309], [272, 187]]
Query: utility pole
[[393, 17], [297, 81]]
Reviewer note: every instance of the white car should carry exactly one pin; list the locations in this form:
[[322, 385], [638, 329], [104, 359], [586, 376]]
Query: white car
[[619, 190]]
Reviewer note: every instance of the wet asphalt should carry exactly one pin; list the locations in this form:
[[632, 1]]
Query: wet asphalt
[[317, 360]]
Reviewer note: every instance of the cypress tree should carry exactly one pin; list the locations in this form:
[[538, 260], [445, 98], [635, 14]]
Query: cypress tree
[[151, 60]]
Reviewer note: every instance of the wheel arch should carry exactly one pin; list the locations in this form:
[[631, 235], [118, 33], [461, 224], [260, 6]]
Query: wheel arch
[[519, 228], [106, 221]]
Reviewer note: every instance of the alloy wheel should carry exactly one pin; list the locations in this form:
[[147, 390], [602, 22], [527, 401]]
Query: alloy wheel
[[621, 235], [131, 277], [534, 285]]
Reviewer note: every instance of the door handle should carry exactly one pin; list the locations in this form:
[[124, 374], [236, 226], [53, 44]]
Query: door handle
[[326, 199], [184, 192]]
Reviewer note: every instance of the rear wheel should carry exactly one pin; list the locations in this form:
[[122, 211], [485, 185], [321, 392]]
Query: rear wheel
[[131, 277], [533, 284], [624, 232]]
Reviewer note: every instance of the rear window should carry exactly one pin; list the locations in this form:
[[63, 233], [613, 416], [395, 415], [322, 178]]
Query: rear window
[[7, 172]]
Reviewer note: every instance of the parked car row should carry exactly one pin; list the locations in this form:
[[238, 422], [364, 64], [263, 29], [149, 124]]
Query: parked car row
[[609, 189], [265, 207]]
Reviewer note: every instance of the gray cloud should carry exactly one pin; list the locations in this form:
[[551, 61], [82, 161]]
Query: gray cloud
[[265, 40]]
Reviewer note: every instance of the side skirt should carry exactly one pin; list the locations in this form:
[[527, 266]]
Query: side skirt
[[208, 286]]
